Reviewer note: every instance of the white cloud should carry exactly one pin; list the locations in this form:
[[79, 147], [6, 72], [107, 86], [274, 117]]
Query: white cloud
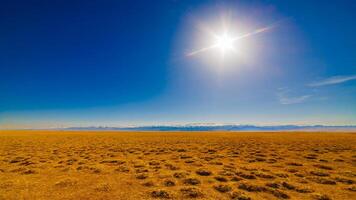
[[294, 100], [287, 96], [286, 99], [332, 81]]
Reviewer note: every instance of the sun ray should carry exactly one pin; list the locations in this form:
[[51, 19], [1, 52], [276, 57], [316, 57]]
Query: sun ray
[[258, 31], [229, 42], [202, 50]]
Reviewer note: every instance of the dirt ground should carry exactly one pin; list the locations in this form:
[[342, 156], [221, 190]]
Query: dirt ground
[[177, 165]]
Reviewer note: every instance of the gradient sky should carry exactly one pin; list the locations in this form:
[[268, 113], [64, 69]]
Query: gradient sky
[[118, 63]]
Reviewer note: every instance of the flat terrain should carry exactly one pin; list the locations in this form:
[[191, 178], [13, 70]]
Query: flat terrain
[[177, 165]]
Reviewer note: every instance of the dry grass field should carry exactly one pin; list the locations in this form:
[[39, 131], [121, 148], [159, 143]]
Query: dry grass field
[[177, 165]]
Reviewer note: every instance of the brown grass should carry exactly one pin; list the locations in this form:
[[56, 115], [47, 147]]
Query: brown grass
[[176, 165]]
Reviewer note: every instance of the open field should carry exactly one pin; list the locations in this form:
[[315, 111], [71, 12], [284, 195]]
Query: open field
[[177, 165]]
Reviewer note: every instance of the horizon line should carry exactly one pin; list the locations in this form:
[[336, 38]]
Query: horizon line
[[196, 126]]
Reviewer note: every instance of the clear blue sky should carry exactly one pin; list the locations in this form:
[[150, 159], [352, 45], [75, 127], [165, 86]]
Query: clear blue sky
[[112, 63]]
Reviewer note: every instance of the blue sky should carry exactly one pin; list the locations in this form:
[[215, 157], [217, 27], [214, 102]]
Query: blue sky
[[118, 63]]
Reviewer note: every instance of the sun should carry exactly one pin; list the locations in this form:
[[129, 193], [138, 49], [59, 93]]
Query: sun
[[225, 43]]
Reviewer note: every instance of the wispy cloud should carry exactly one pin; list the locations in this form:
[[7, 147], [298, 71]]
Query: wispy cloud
[[286, 99], [287, 96], [294, 100], [332, 81]]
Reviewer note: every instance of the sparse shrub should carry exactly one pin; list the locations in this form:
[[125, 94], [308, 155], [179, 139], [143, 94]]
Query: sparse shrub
[[259, 159], [282, 175], [113, 162], [246, 176], [122, 169], [29, 171], [292, 170], [154, 163], [16, 160], [271, 160], [235, 179], [273, 185], [169, 183], [148, 184], [141, 176], [304, 190], [66, 183], [191, 181], [277, 193], [324, 181], [160, 194], [103, 187], [226, 173], [95, 170], [266, 176], [216, 163], [141, 170], [171, 167], [239, 196], [352, 188], [222, 188], [295, 164], [220, 179], [288, 186], [185, 157], [323, 160], [71, 161], [251, 188], [319, 173], [344, 180], [203, 172], [179, 175], [321, 197], [299, 175], [311, 156], [27, 163], [139, 166], [191, 192], [323, 167]]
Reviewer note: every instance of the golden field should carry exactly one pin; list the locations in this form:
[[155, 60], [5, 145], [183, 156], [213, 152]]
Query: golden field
[[177, 165]]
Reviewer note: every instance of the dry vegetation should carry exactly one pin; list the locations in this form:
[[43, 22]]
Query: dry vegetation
[[177, 165]]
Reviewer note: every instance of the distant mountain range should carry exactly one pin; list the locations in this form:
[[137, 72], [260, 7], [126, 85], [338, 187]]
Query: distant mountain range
[[213, 127]]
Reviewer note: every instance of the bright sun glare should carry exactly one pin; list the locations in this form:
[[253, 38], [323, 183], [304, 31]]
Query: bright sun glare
[[225, 43]]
